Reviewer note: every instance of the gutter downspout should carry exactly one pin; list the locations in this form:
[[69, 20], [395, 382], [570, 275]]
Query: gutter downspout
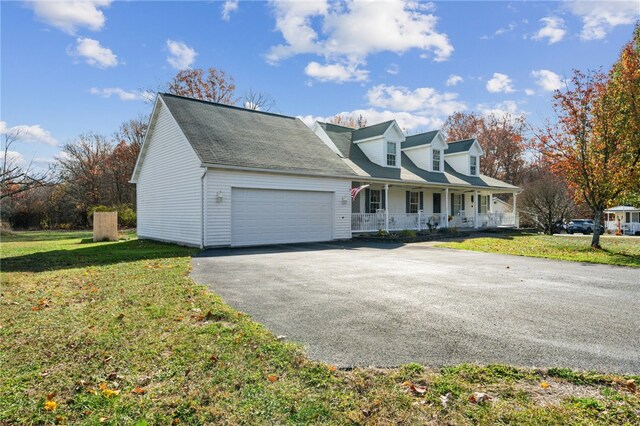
[[203, 184]]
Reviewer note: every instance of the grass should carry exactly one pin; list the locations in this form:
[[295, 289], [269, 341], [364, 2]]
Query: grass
[[616, 250], [117, 333]]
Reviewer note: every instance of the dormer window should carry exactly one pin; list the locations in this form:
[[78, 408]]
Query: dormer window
[[436, 160], [391, 154], [473, 166]]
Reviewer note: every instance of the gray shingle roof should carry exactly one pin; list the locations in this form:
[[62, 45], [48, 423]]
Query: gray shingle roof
[[363, 167], [459, 146], [371, 131], [419, 139], [232, 136]]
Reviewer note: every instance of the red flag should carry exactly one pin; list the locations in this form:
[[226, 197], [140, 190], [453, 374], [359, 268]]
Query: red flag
[[355, 191]]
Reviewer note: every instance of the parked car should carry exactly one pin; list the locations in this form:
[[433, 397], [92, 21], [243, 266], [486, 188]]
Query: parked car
[[585, 226]]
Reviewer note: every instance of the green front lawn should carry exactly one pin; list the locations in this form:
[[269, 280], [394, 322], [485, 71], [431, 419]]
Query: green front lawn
[[623, 251], [117, 333]]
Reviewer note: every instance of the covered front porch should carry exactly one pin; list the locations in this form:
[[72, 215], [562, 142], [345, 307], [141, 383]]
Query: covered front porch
[[397, 207], [622, 219]]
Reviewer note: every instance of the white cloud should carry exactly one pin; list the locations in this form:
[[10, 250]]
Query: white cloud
[[500, 83], [553, 30], [529, 92], [94, 54], [500, 31], [427, 100], [14, 158], [500, 109], [393, 69], [124, 95], [600, 17], [406, 120], [454, 80], [348, 32], [180, 56], [68, 16], [547, 80], [228, 8], [26, 133], [335, 72]]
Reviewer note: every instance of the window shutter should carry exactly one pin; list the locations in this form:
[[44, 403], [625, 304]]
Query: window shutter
[[436, 203], [367, 194], [408, 203], [383, 200], [421, 200], [452, 198], [463, 197], [478, 203]]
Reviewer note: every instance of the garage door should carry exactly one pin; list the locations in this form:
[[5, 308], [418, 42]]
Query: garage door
[[270, 216]]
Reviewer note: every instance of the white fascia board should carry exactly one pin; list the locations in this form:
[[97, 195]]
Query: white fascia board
[[319, 131]]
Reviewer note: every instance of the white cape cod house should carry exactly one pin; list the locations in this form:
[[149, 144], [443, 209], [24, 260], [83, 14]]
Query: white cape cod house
[[626, 219], [212, 175], [416, 182]]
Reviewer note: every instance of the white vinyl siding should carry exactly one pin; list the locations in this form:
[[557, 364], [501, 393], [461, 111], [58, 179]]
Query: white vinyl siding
[[169, 185], [373, 149], [219, 213]]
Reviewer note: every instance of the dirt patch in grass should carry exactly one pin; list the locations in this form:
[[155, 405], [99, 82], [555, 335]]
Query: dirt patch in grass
[[117, 333]]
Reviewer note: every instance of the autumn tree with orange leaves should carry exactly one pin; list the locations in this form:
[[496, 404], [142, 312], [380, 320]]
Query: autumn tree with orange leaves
[[595, 142], [212, 85], [502, 140]]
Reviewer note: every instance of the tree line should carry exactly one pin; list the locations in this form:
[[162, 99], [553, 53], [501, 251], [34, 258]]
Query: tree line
[[582, 162]]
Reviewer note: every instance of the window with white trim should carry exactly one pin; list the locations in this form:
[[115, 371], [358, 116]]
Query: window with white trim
[[473, 165], [391, 153], [414, 202], [375, 200], [484, 203], [436, 160]]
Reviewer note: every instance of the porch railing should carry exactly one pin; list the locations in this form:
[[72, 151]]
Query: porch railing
[[372, 222], [629, 228]]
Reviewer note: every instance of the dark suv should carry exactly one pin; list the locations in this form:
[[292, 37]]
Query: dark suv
[[580, 225]]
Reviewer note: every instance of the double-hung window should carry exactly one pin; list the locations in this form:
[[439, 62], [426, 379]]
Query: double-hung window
[[484, 203], [473, 166], [391, 153], [375, 200], [414, 202], [436, 160]]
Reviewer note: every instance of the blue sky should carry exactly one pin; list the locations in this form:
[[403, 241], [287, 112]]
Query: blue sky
[[80, 66]]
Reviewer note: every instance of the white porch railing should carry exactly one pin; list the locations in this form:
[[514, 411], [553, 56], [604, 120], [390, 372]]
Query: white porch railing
[[367, 222], [372, 222], [627, 228]]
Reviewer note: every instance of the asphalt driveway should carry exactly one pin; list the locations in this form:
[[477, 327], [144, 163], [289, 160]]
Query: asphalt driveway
[[357, 304]]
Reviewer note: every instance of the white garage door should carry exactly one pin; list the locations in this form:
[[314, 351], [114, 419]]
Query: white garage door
[[272, 216]]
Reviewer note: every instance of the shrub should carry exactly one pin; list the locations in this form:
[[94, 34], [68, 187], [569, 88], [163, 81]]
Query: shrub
[[382, 233], [407, 233]]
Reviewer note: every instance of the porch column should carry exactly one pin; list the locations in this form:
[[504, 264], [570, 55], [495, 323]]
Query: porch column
[[446, 207], [475, 208], [491, 202], [515, 212], [386, 207]]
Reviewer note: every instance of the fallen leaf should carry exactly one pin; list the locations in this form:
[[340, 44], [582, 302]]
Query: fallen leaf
[[103, 386], [479, 398], [110, 392], [213, 358], [272, 378], [631, 385], [50, 396], [544, 385], [332, 368], [50, 405], [138, 391], [421, 390]]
